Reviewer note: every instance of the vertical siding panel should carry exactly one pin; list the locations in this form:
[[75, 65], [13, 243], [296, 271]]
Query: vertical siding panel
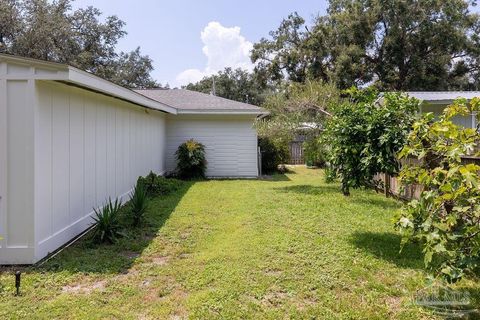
[[77, 173], [90, 155], [110, 147], [3, 154], [60, 158], [43, 162], [101, 153], [17, 165]]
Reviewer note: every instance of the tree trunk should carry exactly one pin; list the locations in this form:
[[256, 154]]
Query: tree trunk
[[345, 189], [387, 184]]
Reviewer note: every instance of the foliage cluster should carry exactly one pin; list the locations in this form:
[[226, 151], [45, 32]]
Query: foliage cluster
[[366, 133], [191, 160], [396, 45], [234, 84], [155, 185], [113, 217], [107, 222], [446, 217], [274, 153], [316, 151], [138, 203], [53, 31], [298, 109]]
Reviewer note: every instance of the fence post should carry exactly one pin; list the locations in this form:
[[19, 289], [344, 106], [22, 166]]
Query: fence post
[[259, 162], [387, 184]]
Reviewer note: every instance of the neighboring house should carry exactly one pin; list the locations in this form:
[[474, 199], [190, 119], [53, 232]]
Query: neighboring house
[[436, 101], [70, 140]]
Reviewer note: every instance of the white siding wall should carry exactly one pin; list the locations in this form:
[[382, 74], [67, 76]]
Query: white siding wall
[[465, 121], [231, 142], [88, 147], [16, 170]]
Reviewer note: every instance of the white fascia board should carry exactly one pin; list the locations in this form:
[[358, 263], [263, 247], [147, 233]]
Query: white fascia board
[[95, 83], [222, 112], [44, 70]]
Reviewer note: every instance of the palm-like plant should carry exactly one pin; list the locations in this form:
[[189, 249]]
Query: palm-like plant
[[138, 203], [191, 162], [106, 222]]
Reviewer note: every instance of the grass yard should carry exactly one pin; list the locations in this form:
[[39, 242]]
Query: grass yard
[[288, 247]]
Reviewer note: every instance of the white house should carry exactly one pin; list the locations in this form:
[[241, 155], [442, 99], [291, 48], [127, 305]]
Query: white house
[[69, 140], [436, 101]]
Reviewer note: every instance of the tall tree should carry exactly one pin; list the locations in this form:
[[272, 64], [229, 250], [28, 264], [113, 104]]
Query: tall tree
[[397, 45], [238, 85], [52, 31]]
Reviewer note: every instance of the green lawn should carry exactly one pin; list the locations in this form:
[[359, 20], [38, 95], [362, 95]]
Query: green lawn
[[287, 247]]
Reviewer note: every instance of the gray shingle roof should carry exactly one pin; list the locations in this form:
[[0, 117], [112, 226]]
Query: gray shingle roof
[[192, 101], [443, 95]]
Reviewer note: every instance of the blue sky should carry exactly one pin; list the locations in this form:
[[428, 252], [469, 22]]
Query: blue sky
[[188, 39]]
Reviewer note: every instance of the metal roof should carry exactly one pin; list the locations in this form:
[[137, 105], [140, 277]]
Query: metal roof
[[442, 96]]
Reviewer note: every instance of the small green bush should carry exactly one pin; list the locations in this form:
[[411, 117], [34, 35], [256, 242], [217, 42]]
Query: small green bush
[[155, 185], [107, 223], [138, 204], [315, 152], [191, 162], [273, 154]]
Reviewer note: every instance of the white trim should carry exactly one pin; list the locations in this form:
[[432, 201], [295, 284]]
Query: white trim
[[90, 81], [78, 77], [3, 158], [221, 112]]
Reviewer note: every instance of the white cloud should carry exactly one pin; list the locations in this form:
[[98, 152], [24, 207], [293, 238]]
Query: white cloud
[[223, 47]]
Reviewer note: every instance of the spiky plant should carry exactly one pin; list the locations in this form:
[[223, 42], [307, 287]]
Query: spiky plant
[[107, 227], [138, 203]]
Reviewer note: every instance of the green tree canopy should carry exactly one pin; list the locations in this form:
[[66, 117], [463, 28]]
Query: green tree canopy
[[397, 45], [366, 133], [52, 31], [234, 84]]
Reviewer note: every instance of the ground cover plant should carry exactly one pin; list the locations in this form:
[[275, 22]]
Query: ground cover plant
[[289, 246]]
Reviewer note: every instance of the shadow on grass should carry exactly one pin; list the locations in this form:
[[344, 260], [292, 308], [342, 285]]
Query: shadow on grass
[[377, 201], [386, 246], [309, 189], [275, 177], [87, 257]]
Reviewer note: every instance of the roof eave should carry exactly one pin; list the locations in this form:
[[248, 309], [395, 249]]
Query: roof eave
[[222, 112], [52, 71], [95, 83]]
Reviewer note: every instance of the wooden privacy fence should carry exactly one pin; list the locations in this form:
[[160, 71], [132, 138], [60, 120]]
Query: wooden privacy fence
[[297, 155], [391, 185]]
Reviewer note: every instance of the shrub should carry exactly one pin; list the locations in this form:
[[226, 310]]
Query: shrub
[[273, 154], [138, 204], [155, 185], [315, 152], [366, 134], [107, 225], [191, 162], [446, 217]]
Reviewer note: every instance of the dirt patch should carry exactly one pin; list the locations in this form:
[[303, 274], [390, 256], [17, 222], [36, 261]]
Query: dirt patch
[[161, 261], [273, 273], [85, 288], [274, 298], [184, 255], [394, 304], [130, 254]]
